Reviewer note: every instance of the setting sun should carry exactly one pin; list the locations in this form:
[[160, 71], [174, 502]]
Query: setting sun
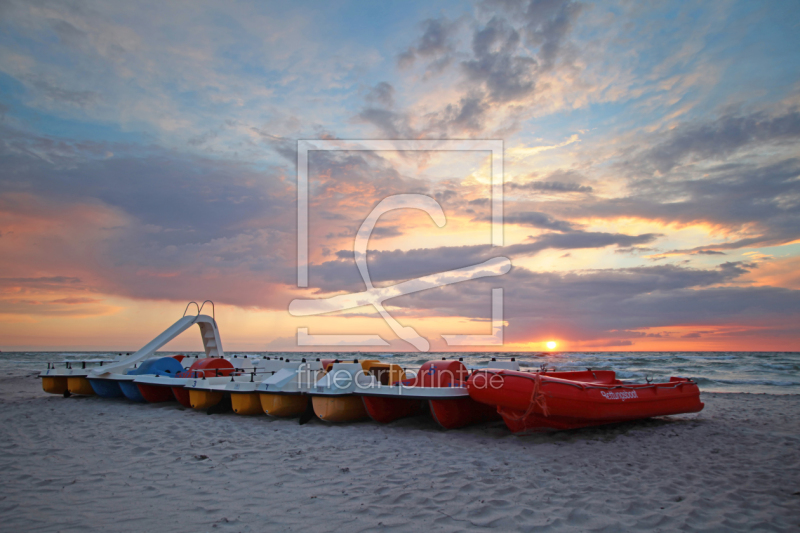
[[551, 345]]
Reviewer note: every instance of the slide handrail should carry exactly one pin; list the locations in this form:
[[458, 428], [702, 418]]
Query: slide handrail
[[195, 304], [213, 312]]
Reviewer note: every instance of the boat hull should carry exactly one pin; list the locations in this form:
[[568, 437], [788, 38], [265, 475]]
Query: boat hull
[[182, 395], [385, 410], [283, 405], [106, 388], [203, 399], [346, 408], [246, 403], [460, 412], [79, 385], [55, 385], [155, 393], [131, 391], [546, 403]]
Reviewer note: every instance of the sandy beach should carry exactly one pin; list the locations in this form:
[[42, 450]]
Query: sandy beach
[[90, 464]]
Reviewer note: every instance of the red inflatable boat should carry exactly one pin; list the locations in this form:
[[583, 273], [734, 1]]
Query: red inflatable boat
[[442, 384], [545, 401]]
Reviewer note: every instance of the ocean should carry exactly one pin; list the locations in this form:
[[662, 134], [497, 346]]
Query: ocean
[[754, 372]]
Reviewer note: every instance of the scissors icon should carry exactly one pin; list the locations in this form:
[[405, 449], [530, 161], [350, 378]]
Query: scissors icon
[[376, 296]]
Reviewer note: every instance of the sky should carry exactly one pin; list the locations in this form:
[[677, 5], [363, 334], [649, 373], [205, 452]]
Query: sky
[[651, 167]]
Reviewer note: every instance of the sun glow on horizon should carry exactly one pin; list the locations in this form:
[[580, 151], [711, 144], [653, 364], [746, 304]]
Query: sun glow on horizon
[[551, 345]]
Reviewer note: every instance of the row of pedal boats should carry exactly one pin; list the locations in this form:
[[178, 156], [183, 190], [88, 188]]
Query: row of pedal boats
[[342, 391], [348, 390]]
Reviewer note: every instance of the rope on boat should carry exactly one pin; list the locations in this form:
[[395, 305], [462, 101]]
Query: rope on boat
[[537, 399]]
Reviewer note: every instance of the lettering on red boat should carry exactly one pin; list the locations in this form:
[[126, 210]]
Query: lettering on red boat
[[622, 395]]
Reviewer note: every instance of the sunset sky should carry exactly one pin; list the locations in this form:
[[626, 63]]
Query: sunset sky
[[148, 157]]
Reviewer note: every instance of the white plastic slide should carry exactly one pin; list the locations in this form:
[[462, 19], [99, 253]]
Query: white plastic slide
[[208, 330]]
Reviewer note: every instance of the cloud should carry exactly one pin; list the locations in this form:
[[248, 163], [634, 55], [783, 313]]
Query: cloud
[[708, 252], [757, 204], [382, 93], [548, 186], [538, 220], [611, 344], [605, 304], [505, 76], [435, 43], [176, 174], [42, 281], [385, 266], [495, 81], [74, 301], [546, 23], [722, 137], [77, 98]]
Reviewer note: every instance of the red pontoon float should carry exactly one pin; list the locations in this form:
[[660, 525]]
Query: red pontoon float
[[210, 367], [544, 401], [155, 393]]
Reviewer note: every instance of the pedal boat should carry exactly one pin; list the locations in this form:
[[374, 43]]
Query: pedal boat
[[156, 388], [439, 384], [333, 397], [285, 393], [206, 385], [155, 394], [173, 387], [110, 385], [156, 366], [242, 388], [547, 401], [71, 378]]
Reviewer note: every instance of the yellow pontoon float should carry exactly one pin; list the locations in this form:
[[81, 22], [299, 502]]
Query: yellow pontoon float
[[286, 393]]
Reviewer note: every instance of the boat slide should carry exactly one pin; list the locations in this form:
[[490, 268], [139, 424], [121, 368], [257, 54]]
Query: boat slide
[[117, 379]]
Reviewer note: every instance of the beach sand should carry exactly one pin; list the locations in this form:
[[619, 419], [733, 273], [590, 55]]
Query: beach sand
[[91, 464]]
